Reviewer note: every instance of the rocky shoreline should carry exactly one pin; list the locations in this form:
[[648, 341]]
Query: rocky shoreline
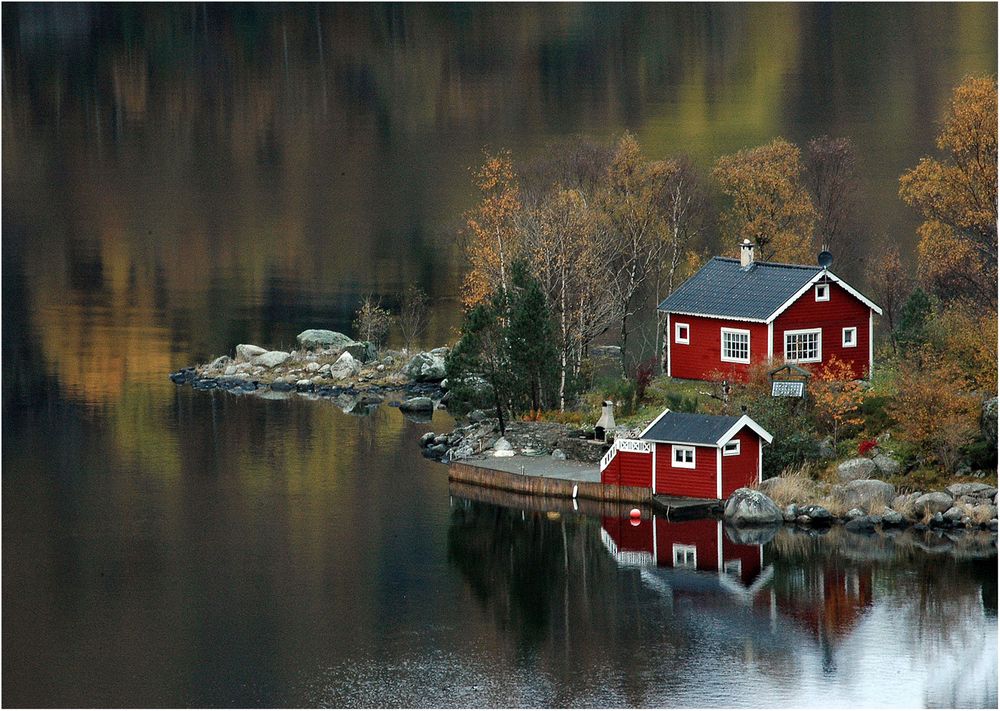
[[328, 364]]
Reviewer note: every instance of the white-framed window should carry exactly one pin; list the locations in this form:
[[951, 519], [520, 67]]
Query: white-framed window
[[682, 456], [685, 556], [822, 292], [682, 333], [731, 448], [850, 337], [733, 567], [735, 345], [804, 346]]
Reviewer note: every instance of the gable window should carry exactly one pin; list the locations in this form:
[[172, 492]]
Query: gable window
[[735, 345], [822, 292], [805, 346], [733, 567], [682, 333], [850, 338], [685, 556], [731, 448], [683, 456]]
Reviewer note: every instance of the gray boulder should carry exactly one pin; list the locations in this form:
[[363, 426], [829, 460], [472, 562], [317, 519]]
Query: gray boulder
[[861, 524], [826, 449], [790, 512], [853, 514], [463, 452], [271, 359], [345, 367], [417, 404], [976, 489], [815, 513], [219, 363], [954, 514], [886, 464], [426, 438], [321, 338], [857, 468], [559, 454], [231, 370], [247, 352], [867, 494], [934, 502], [502, 445], [477, 416], [425, 368], [891, 518], [984, 512], [363, 351], [747, 506]]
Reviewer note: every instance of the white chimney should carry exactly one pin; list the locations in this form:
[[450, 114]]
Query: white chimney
[[746, 254]]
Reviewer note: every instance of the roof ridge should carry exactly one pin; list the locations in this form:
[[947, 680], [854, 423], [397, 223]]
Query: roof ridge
[[772, 264]]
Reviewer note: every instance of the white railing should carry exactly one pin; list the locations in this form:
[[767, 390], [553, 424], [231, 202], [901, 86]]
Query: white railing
[[636, 446]]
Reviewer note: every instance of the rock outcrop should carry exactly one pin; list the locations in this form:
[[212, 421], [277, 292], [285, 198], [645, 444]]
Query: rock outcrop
[[320, 338], [751, 508], [426, 367], [857, 468]]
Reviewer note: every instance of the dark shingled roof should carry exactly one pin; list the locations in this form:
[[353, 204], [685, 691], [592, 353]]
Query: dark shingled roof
[[690, 428], [723, 288]]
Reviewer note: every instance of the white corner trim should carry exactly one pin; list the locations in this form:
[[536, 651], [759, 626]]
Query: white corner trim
[[803, 331], [718, 473], [871, 343], [834, 279], [760, 460], [744, 421], [770, 341], [718, 539], [666, 336], [722, 344]]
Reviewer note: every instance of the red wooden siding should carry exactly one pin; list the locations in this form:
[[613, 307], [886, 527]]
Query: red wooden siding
[[703, 354], [749, 557], [630, 535], [842, 311], [741, 469], [703, 534], [697, 482], [629, 469]]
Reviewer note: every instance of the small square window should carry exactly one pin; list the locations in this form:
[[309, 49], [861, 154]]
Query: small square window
[[731, 448], [682, 333], [685, 556], [683, 456], [822, 292], [850, 337]]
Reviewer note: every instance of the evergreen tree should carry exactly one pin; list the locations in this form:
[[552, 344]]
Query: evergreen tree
[[913, 319], [533, 352]]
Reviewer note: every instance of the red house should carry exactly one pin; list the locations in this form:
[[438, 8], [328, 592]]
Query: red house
[[698, 545], [684, 454], [735, 312]]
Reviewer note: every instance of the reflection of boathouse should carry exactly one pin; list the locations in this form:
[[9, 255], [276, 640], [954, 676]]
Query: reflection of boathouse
[[701, 545]]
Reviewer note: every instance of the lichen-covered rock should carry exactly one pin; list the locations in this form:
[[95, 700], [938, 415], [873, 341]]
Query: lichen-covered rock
[[867, 494], [853, 514], [271, 359], [934, 502], [886, 464], [559, 454], [790, 513], [418, 404], [426, 367], [891, 518], [815, 513], [346, 366], [750, 507], [984, 491], [502, 445], [363, 351], [321, 338], [954, 514], [247, 352], [857, 468]]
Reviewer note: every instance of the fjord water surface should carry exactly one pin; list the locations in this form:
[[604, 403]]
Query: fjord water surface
[[178, 179]]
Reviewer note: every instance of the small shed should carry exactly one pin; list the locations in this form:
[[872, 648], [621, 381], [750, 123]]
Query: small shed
[[686, 454]]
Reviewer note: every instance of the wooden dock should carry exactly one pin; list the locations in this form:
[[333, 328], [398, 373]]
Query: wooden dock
[[676, 507]]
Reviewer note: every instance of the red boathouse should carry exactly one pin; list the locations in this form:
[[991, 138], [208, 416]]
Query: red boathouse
[[736, 312], [684, 454]]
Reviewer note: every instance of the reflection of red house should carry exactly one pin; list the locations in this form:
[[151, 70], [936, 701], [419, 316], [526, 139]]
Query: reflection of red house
[[700, 545], [684, 454], [830, 602]]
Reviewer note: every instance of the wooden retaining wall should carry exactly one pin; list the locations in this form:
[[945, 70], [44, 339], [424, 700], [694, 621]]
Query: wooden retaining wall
[[544, 504], [546, 486]]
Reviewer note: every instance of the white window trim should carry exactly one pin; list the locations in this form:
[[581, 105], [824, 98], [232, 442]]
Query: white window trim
[[677, 333], [684, 550], [819, 345], [853, 330], [682, 465], [825, 287], [722, 344], [731, 452]]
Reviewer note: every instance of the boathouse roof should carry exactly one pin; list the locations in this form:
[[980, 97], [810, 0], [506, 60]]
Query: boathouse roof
[[690, 428]]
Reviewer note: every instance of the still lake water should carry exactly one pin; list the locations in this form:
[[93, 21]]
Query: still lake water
[[179, 179]]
